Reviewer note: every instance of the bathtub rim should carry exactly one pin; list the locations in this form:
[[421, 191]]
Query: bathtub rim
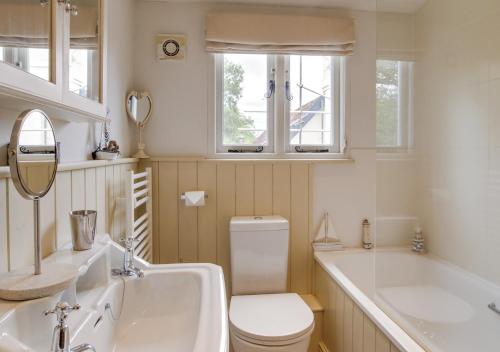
[[393, 331]]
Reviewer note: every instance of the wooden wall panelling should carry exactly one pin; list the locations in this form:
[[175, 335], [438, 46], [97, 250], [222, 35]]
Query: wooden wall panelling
[[299, 229], [63, 206], [244, 189], [188, 216], [119, 214], [109, 199], [90, 189], [167, 208], [207, 215], [263, 202], [281, 199], [226, 208], [85, 188], [100, 186], [4, 249], [20, 229], [48, 223], [78, 189]]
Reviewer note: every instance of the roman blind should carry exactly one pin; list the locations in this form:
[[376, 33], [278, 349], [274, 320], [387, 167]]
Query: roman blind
[[278, 34]]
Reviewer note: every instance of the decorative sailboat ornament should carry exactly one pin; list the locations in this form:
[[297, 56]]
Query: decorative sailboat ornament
[[326, 237]]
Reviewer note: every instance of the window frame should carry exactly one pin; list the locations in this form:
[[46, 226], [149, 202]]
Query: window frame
[[271, 114], [337, 101], [278, 109], [404, 110]]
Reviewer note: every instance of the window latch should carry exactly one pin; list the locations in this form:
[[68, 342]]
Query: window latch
[[271, 87], [288, 93], [259, 149], [300, 149]]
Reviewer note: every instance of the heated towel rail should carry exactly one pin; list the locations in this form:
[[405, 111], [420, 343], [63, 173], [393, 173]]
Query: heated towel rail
[[139, 212]]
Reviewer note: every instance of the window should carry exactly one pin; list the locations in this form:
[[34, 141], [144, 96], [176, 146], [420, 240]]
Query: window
[[36, 131], [394, 105], [279, 104]]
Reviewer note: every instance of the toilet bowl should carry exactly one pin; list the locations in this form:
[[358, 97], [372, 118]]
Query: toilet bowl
[[262, 316], [270, 322]]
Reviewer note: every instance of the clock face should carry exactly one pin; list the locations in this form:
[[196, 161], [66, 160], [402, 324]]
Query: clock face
[[171, 47]]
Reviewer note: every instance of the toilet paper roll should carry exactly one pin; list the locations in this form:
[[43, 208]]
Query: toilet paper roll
[[194, 198]]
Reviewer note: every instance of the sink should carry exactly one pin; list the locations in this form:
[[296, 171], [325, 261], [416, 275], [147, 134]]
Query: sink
[[175, 307]]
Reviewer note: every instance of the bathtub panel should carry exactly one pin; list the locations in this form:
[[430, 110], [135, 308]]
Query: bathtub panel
[[345, 326], [357, 329], [339, 319], [348, 327], [382, 343], [368, 335]]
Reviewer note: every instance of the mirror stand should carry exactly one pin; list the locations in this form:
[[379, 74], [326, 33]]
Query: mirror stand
[[141, 154], [38, 238], [33, 157]]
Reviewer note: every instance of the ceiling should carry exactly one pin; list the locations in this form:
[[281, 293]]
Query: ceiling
[[403, 6]]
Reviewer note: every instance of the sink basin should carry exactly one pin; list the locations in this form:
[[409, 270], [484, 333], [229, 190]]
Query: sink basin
[[178, 308]]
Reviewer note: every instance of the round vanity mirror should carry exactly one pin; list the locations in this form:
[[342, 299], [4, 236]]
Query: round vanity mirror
[[33, 154], [139, 107]]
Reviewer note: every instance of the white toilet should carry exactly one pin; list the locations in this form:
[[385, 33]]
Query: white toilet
[[262, 316]]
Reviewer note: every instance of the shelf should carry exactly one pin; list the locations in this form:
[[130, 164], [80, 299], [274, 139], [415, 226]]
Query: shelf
[[19, 101]]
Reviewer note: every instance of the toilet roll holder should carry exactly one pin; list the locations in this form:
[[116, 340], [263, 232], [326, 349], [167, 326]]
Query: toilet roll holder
[[183, 196]]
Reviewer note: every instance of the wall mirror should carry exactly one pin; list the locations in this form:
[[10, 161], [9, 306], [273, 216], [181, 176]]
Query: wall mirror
[[139, 107], [25, 27]]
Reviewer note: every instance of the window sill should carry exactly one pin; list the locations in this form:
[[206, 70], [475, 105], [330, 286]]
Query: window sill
[[260, 158]]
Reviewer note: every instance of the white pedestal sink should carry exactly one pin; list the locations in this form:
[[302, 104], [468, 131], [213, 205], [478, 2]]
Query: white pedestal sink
[[175, 308]]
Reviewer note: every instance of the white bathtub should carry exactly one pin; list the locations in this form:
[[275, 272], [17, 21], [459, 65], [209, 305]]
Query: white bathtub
[[442, 308]]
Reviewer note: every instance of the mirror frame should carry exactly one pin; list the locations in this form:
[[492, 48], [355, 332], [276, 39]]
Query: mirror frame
[[21, 187], [139, 96]]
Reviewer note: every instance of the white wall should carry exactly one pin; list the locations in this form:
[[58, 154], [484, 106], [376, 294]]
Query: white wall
[[458, 131], [78, 140], [179, 124]]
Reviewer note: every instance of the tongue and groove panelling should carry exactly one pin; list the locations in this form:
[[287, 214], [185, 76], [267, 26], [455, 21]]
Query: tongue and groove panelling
[[201, 234]]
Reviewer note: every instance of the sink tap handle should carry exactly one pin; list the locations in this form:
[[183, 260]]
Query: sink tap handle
[[62, 310]]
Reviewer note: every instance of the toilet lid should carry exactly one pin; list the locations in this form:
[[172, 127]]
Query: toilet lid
[[270, 317]]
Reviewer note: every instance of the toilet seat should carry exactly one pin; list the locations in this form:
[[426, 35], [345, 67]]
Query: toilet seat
[[270, 319]]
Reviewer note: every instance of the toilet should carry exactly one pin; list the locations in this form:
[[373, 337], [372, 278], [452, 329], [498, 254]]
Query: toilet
[[262, 316]]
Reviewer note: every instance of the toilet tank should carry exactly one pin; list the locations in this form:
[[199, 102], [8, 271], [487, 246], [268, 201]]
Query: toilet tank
[[259, 254]]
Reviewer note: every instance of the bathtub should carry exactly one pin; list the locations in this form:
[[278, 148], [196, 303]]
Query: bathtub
[[419, 301]]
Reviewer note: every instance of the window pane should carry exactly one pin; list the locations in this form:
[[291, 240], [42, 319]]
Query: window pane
[[84, 67], [387, 103], [245, 119], [311, 107]]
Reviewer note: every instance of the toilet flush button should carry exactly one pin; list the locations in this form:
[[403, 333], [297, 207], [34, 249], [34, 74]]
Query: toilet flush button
[[258, 218]]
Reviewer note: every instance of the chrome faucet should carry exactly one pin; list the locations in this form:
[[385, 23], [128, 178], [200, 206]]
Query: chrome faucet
[[128, 268], [60, 336]]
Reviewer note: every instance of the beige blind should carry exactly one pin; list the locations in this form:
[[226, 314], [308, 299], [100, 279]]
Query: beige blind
[[279, 34]]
